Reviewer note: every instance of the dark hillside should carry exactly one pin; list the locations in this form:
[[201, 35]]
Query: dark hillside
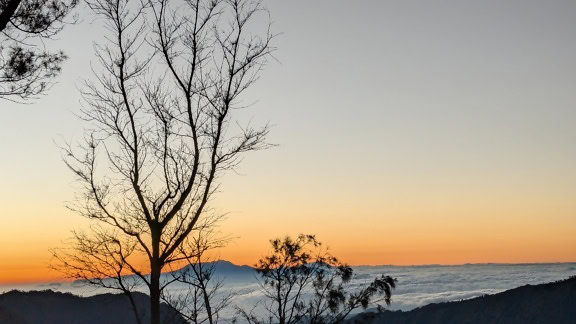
[[546, 303], [49, 307]]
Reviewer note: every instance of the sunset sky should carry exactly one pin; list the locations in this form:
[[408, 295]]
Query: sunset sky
[[408, 132]]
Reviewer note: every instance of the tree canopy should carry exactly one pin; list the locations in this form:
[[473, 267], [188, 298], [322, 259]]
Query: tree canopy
[[27, 67]]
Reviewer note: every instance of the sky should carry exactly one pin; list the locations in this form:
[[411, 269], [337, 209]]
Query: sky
[[408, 132]]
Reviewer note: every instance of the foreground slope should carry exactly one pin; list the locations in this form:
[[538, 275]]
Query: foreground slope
[[49, 307], [546, 303]]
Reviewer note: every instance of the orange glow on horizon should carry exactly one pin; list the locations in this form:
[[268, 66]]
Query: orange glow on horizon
[[17, 270], [402, 235]]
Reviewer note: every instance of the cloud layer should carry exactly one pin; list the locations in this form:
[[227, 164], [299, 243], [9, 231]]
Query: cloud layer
[[417, 285]]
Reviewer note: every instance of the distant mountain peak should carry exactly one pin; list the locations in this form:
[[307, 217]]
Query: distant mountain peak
[[225, 268]]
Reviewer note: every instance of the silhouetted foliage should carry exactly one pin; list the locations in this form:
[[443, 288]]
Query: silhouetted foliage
[[304, 283], [26, 66], [162, 126]]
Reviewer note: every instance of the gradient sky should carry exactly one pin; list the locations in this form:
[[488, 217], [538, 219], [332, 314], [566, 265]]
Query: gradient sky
[[409, 132]]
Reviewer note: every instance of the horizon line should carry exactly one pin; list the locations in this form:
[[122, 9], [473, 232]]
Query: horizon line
[[62, 280]]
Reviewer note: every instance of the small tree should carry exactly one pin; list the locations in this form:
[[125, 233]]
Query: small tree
[[26, 66], [303, 283], [205, 297], [98, 259]]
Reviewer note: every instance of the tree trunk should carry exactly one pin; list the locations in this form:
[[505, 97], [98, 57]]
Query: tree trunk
[[207, 302], [155, 297], [7, 12], [281, 318], [155, 270]]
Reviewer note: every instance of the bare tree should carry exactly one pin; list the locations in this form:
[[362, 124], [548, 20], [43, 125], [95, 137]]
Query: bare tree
[[304, 283], [205, 298], [161, 112], [98, 259], [26, 66]]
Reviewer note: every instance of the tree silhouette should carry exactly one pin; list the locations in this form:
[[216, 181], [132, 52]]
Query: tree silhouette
[[161, 113], [206, 296], [26, 66], [98, 258], [304, 283]]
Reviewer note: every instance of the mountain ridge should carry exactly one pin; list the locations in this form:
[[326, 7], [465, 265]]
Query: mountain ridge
[[51, 307], [553, 302]]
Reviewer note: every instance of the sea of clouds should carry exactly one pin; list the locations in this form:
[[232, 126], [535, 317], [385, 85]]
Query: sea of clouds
[[422, 285], [416, 286]]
